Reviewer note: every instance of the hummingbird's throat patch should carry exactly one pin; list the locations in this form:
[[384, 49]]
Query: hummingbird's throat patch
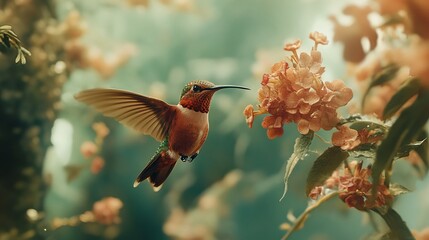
[[197, 106]]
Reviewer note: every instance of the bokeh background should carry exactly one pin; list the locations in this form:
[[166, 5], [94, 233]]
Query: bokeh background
[[232, 190]]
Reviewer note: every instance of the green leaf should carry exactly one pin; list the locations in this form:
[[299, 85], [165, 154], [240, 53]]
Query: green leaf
[[409, 89], [300, 149], [376, 129], [423, 149], [9, 39], [324, 166], [349, 119], [365, 154], [398, 228], [404, 151], [5, 28], [367, 125], [409, 123], [386, 74]]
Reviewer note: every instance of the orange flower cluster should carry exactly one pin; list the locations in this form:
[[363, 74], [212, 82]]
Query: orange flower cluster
[[354, 188], [296, 93]]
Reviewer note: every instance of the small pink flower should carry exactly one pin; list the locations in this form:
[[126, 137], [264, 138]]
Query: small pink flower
[[97, 164], [388, 7], [333, 181], [100, 129], [316, 192], [303, 126], [346, 138], [106, 211], [265, 79], [339, 95], [88, 149]]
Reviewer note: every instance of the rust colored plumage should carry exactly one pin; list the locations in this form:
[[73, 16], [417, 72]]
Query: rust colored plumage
[[182, 128]]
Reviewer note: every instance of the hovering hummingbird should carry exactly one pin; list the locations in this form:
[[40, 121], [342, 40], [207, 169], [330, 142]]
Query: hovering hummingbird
[[181, 129]]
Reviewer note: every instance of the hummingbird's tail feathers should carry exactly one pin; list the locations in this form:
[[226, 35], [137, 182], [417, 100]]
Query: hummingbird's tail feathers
[[148, 170], [157, 170]]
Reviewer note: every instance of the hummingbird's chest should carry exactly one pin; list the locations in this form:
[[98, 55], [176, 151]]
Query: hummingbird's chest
[[189, 131]]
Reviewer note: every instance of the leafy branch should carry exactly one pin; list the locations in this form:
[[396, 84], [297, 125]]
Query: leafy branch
[[9, 39], [299, 222]]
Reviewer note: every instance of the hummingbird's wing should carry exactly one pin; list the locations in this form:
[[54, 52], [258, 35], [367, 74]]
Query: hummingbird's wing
[[147, 115]]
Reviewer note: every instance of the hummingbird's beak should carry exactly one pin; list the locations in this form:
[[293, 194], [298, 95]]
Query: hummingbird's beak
[[215, 88]]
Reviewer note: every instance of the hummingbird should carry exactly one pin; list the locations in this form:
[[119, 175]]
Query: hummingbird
[[182, 129]]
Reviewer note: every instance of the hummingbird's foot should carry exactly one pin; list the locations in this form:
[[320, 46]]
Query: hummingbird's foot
[[183, 158], [193, 157]]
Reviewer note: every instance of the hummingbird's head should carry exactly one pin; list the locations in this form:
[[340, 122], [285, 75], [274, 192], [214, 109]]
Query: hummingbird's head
[[197, 95]]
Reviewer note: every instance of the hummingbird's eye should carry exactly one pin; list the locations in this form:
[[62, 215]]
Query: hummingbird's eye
[[196, 88]]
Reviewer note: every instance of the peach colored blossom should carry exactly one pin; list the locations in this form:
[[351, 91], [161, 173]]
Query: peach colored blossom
[[346, 138], [422, 234], [296, 93], [319, 38], [143, 3], [379, 96], [339, 95], [88, 149], [416, 57], [100, 129], [107, 64], [351, 35], [370, 65], [292, 46], [389, 7], [316, 192], [106, 211], [273, 125], [418, 14], [333, 180], [74, 26], [264, 61], [414, 158], [354, 187], [303, 126], [250, 117], [274, 132], [97, 164]]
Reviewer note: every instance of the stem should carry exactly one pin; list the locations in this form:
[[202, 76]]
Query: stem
[[301, 219], [322, 139], [398, 228]]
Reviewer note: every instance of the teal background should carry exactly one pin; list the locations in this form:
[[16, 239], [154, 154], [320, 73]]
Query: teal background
[[218, 41]]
